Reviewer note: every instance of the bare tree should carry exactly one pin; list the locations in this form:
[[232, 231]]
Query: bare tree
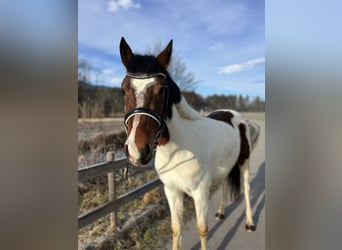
[[84, 70], [177, 69]]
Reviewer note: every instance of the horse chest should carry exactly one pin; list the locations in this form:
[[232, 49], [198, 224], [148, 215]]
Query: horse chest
[[180, 170]]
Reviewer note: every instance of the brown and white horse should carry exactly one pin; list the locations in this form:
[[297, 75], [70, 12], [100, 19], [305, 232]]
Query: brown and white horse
[[191, 150]]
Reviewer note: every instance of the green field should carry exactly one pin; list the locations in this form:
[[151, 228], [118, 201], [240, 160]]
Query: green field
[[254, 115]]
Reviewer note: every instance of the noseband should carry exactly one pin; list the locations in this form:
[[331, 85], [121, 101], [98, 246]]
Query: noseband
[[149, 112]]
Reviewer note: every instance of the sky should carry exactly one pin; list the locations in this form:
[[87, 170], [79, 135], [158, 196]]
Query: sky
[[221, 42]]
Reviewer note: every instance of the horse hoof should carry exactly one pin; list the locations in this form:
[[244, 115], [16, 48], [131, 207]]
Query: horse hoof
[[219, 216], [250, 228]]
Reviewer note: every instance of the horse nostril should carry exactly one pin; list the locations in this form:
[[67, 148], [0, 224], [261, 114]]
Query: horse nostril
[[126, 150], [146, 154], [147, 150]]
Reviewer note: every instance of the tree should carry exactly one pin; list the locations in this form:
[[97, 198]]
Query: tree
[[258, 104], [84, 70], [242, 103], [177, 69], [196, 101]]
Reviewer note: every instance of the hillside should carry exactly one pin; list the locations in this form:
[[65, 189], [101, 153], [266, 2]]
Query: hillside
[[101, 101]]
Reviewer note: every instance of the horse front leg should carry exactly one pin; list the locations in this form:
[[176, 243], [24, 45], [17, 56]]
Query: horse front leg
[[175, 200], [201, 198]]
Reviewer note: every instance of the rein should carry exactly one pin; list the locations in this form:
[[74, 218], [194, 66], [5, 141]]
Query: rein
[[149, 112]]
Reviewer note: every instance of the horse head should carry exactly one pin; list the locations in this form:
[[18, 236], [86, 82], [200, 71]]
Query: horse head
[[146, 101]]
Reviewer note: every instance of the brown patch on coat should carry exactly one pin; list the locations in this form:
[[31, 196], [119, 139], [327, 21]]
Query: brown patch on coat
[[234, 176], [244, 146], [224, 116], [165, 137]]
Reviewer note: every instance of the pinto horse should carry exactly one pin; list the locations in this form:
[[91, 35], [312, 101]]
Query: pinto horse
[[191, 150]]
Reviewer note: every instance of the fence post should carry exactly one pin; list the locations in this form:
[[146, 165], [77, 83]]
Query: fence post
[[111, 190]]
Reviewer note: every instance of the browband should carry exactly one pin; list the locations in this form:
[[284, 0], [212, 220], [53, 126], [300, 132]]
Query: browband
[[144, 76], [143, 111]]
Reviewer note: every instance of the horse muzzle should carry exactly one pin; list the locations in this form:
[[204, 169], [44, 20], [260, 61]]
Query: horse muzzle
[[138, 158]]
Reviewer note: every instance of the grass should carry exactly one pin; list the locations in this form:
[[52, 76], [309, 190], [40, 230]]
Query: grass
[[95, 193], [254, 115]]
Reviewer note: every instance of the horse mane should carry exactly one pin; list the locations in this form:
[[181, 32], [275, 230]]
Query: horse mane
[[186, 111], [176, 98]]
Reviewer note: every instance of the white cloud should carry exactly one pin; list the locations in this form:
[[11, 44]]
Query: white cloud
[[256, 61], [116, 5], [231, 69], [108, 71], [235, 68]]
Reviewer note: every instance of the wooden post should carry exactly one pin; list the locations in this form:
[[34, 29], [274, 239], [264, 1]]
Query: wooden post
[[111, 190]]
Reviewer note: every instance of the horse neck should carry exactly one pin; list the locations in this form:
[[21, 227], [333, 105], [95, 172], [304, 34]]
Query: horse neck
[[186, 112], [182, 113]]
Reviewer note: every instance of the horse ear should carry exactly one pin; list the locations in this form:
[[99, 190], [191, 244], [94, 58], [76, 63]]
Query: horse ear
[[125, 52], [165, 56]]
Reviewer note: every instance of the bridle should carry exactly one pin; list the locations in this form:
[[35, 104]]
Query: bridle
[[149, 112]]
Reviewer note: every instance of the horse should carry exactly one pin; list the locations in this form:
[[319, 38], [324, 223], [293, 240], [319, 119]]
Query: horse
[[190, 150]]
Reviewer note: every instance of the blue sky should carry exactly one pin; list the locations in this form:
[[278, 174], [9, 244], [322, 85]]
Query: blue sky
[[221, 42]]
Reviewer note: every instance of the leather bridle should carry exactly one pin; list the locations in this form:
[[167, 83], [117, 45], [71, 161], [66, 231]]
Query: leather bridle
[[149, 112]]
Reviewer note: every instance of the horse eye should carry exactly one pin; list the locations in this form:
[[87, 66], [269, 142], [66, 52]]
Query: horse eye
[[162, 91], [123, 92]]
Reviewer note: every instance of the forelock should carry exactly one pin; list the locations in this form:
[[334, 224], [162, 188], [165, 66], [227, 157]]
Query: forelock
[[144, 65]]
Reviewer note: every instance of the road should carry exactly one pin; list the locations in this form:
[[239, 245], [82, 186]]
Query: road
[[230, 233]]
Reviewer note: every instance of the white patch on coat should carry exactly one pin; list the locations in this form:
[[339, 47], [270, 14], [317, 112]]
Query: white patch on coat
[[140, 86], [200, 149], [130, 142]]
